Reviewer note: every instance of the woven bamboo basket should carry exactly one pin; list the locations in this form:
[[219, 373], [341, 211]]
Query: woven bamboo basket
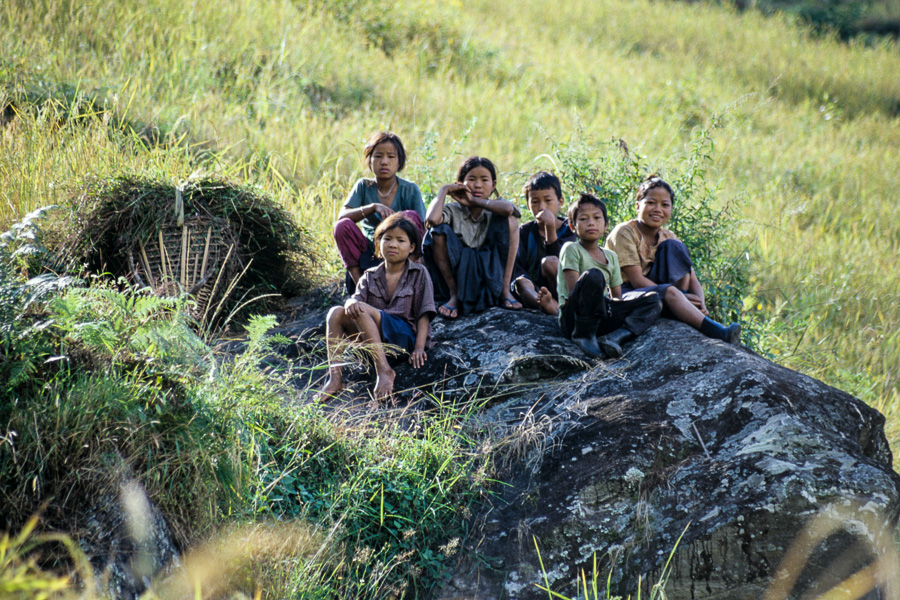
[[199, 257]]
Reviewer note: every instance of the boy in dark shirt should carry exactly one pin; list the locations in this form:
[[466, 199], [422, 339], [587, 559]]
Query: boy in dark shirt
[[537, 260]]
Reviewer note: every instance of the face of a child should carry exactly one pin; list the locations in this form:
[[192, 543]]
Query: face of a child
[[655, 208], [590, 224], [384, 161], [541, 200], [479, 181], [395, 246]]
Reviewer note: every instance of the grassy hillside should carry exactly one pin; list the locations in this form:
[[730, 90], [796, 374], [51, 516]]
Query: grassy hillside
[[282, 94]]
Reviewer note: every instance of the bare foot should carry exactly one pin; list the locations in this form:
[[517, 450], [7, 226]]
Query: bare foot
[[333, 387], [384, 385], [546, 301]]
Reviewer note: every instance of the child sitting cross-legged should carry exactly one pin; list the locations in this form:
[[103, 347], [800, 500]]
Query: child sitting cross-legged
[[588, 276], [470, 246], [393, 304], [537, 260]]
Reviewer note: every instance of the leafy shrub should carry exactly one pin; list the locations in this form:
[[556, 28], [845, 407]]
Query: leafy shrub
[[701, 220]]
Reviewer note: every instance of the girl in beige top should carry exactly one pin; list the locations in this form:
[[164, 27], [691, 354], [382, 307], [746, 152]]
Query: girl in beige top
[[652, 258]]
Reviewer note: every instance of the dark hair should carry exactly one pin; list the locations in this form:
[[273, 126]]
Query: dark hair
[[473, 162], [653, 181], [398, 221], [543, 180], [381, 137], [582, 200]]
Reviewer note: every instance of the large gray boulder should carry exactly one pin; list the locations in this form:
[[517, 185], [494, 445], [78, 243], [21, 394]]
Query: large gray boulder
[[683, 437]]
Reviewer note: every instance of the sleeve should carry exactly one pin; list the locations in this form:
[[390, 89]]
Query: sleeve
[[416, 201], [426, 290], [363, 291], [623, 242], [447, 214], [615, 272], [569, 258], [357, 196]]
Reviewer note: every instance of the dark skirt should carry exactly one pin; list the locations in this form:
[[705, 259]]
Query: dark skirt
[[671, 264], [478, 271]]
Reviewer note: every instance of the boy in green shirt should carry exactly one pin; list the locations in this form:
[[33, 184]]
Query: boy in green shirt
[[588, 275]]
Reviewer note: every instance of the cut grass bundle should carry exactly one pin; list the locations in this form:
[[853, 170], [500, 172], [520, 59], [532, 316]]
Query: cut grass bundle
[[222, 243]]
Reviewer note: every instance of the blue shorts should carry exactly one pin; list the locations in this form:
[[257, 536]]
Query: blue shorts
[[397, 332]]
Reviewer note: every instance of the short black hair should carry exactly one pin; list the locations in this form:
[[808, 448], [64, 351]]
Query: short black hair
[[583, 199], [543, 180], [398, 221], [653, 181], [381, 137]]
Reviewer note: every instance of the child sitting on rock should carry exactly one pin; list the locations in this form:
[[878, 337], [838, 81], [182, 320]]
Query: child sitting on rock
[[471, 245], [537, 260], [652, 258], [393, 304], [590, 293]]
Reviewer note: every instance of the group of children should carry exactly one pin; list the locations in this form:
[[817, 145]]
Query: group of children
[[468, 253]]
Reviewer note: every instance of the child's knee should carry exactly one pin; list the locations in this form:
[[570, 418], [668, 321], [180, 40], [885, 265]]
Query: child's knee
[[335, 314], [522, 284], [343, 228], [549, 267]]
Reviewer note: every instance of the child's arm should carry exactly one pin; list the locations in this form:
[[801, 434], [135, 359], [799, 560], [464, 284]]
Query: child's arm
[[498, 206], [571, 276], [635, 277], [418, 356], [616, 292], [435, 214], [695, 293]]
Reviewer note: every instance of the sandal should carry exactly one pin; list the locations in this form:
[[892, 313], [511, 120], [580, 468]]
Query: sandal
[[509, 304], [452, 311]]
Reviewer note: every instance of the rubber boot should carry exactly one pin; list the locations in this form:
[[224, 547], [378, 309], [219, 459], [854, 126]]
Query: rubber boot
[[730, 334], [612, 342], [585, 335]]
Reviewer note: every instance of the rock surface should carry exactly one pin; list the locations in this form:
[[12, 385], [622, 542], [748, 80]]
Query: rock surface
[[615, 460]]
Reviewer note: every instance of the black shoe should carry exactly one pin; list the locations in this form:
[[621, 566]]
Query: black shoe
[[585, 335], [611, 343], [733, 334]]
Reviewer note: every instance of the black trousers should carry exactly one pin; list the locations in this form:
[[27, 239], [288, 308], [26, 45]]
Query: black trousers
[[636, 311]]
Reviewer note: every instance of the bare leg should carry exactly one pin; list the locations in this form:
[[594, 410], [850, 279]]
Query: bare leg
[[505, 293], [335, 332], [369, 324], [547, 302], [442, 260], [526, 292], [549, 271], [682, 308]]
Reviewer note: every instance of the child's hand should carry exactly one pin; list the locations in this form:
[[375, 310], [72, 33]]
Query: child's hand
[[698, 302], [353, 309], [383, 210], [417, 358], [461, 192]]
